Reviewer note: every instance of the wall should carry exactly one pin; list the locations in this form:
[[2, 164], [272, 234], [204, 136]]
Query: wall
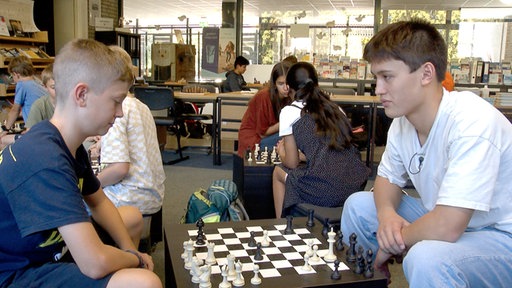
[[109, 9], [71, 20]]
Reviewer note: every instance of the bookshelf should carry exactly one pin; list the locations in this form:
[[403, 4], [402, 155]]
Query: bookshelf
[[32, 47], [130, 42]]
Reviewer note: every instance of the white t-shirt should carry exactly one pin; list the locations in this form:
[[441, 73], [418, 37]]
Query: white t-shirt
[[133, 139], [288, 116], [466, 160]]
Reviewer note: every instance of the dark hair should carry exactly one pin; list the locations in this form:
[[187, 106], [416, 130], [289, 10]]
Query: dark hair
[[414, 42], [330, 121], [241, 60], [280, 69], [292, 59]]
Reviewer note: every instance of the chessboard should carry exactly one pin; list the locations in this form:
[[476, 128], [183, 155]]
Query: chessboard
[[282, 262], [263, 156]]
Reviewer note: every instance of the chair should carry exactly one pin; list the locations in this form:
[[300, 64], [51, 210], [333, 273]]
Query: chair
[[160, 99], [198, 88]]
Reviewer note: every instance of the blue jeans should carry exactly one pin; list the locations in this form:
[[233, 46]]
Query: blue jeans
[[269, 141], [480, 258]]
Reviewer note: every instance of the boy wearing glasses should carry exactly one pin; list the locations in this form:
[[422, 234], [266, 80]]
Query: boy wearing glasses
[[456, 149]]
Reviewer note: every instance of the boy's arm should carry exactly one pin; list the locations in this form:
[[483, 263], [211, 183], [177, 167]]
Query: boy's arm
[[107, 216], [12, 115], [113, 173], [94, 259]]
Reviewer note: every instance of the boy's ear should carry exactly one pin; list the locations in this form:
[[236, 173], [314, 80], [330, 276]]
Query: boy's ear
[[81, 94], [428, 73]]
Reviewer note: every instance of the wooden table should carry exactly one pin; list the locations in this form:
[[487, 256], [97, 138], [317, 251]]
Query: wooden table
[[177, 276]]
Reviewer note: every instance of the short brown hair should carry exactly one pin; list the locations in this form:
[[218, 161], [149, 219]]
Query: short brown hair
[[21, 65], [414, 42], [47, 73]]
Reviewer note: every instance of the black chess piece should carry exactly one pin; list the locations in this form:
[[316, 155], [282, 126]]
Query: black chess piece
[[339, 241], [289, 229], [351, 252], [325, 230], [368, 270], [258, 255], [336, 275], [311, 219], [360, 263], [200, 233], [252, 240]]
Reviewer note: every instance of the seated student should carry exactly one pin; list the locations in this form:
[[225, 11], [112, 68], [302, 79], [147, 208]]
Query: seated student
[[54, 178], [448, 82], [457, 151], [314, 130], [134, 173], [234, 79], [27, 89], [42, 108], [259, 124]]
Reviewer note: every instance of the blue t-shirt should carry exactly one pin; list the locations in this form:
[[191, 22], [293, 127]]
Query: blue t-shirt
[[41, 188], [26, 93]]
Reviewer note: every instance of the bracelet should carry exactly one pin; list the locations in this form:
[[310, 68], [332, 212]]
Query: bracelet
[[141, 262]]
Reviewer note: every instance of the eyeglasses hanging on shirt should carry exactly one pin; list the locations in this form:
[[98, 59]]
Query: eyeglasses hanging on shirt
[[416, 163]]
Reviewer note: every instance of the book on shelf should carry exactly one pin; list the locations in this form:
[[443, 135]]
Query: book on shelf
[[361, 70], [4, 30], [485, 72], [479, 70], [353, 69], [17, 29], [495, 75]]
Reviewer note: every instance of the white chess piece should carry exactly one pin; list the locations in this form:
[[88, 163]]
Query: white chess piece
[[195, 270], [231, 267], [210, 259], [306, 266], [265, 240], [249, 159], [239, 280], [256, 280], [315, 258], [224, 272], [190, 254], [330, 257], [184, 254], [309, 252], [204, 278]]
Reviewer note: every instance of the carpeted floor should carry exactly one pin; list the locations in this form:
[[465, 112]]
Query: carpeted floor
[[187, 176]]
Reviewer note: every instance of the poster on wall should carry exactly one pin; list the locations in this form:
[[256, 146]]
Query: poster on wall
[[94, 11], [227, 49], [210, 59]]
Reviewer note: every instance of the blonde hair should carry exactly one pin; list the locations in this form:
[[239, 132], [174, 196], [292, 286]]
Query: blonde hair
[[47, 74], [91, 62], [21, 65]]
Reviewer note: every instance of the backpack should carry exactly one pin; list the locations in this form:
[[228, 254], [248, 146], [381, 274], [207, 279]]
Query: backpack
[[218, 203]]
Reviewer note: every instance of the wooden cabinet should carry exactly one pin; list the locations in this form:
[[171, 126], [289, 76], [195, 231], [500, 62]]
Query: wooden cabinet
[[130, 42]]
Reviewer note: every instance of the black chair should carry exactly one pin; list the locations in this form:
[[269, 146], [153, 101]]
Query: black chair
[[162, 99]]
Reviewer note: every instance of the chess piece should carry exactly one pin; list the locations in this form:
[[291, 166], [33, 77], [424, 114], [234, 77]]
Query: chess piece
[[265, 242], [306, 266], [315, 257], [210, 258], [256, 149], [249, 158], [256, 280], [351, 252], [336, 275], [204, 279], [309, 252], [184, 254], [224, 272], [330, 257], [190, 254], [289, 229], [252, 241], [339, 241], [360, 263], [368, 270], [195, 270], [239, 280], [200, 234], [311, 219], [231, 267], [325, 229], [258, 255]]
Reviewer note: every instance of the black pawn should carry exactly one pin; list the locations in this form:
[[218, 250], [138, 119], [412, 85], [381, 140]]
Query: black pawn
[[336, 275], [351, 252], [360, 263], [252, 241], [258, 256], [325, 230], [339, 241], [368, 271], [311, 220], [289, 229]]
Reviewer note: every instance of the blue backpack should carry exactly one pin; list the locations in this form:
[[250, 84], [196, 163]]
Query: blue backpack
[[219, 203]]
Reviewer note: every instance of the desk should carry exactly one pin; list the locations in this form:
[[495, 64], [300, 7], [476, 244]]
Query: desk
[[177, 276]]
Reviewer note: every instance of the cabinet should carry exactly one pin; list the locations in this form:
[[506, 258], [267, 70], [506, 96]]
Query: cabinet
[[130, 42]]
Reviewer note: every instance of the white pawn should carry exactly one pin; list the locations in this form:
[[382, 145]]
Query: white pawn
[[265, 241], [306, 266], [224, 272], [190, 254], [231, 267], [309, 252], [239, 280], [256, 280], [249, 159], [315, 257], [210, 258], [330, 257], [184, 254]]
